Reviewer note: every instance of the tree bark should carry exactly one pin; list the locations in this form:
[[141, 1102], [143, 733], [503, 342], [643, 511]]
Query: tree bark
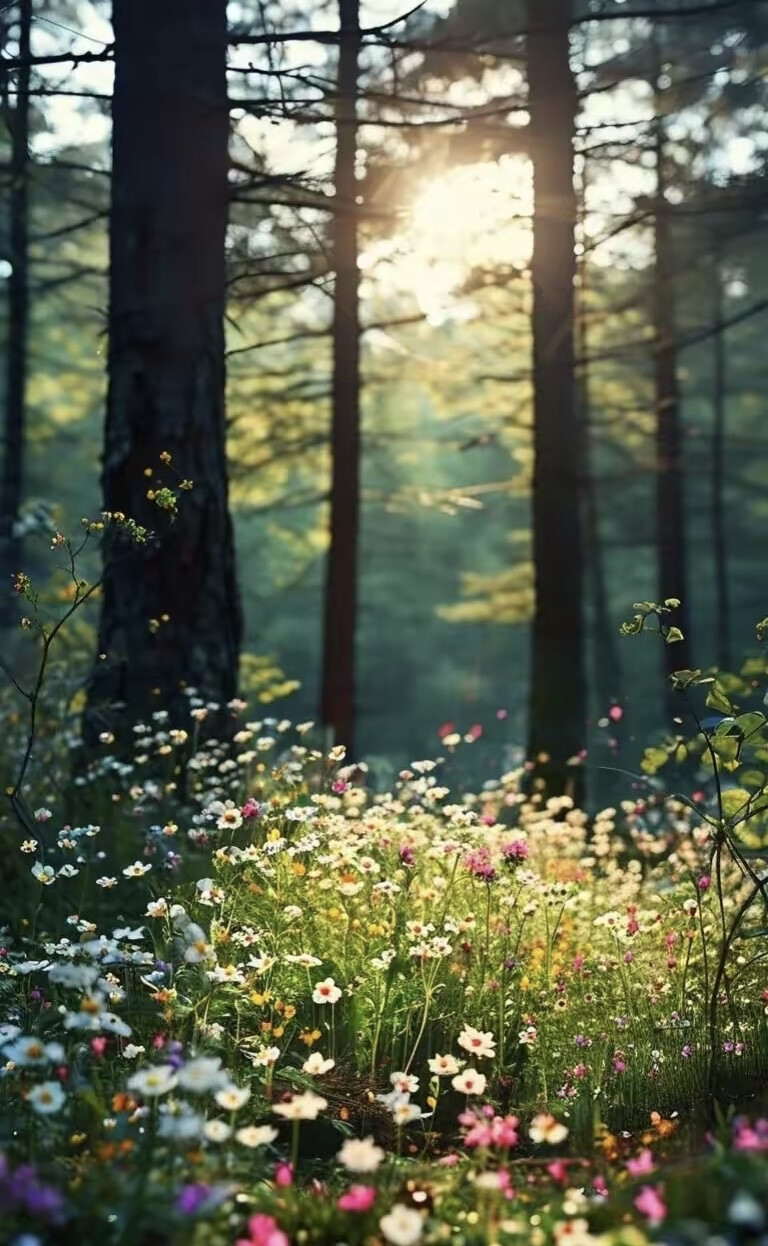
[[166, 368], [670, 501], [12, 478], [558, 688], [719, 404], [341, 590]]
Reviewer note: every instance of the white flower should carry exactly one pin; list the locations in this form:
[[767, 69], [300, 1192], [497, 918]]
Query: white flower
[[198, 948], [106, 881], [304, 1107], [253, 1136], [43, 815], [45, 874], [444, 1066], [180, 1122], [404, 1112], [528, 1036], [403, 1226], [406, 1083], [326, 992], [154, 1081], [316, 1064], [470, 1082], [136, 870], [132, 1050], [30, 1051], [477, 1043], [360, 1155], [157, 908], [46, 1098], [28, 845], [203, 1074], [217, 1131], [266, 1056], [305, 959], [261, 964], [232, 1097], [547, 1128]]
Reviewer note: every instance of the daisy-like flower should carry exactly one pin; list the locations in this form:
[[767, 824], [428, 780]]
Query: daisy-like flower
[[360, 1155], [326, 992], [253, 1136], [304, 1107], [217, 1131], [154, 1081], [444, 1066], [203, 1074], [46, 1099], [305, 959], [27, 1052], [157, 908], [232, 1098], [106, 881], [402, 1226], [406, 1083], [404, 1112], [45, 874], [29, 845], [137, 870], [482, 1045], [470, 1082], [547, 1128], [265, 1057], [316, 1065]]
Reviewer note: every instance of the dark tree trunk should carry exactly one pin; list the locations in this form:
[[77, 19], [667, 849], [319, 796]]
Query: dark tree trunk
[[558, 689], [606, 664], [12, 479], [670, 502], [719, 530], [339, 674], [166, 366]]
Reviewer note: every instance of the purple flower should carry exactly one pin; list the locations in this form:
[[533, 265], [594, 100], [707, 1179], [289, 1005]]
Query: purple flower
[[191, 1198], [516, 850]]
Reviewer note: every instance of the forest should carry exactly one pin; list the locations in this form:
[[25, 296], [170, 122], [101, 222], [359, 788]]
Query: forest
[[383, 638]]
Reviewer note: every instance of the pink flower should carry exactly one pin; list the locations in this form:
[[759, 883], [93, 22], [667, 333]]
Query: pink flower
[[284, 1175], [558, 1171], [651, 1205], [357, 1198], [704, 883], [251, 808], [99, 1045], [641, 1164], [264, 1231]]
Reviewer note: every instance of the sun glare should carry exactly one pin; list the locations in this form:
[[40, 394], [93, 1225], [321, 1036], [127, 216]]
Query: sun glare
[[470, 217]]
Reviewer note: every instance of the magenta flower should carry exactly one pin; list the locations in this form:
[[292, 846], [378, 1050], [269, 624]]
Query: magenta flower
[[641, 1164], [650, 1204], [264, 1231], [357, 1198]]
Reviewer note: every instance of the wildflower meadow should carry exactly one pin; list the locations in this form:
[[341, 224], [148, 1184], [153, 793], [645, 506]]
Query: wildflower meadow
[[250, 1000]]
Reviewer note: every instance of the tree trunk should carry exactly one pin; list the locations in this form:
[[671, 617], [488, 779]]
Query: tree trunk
[[12, 479], [719, 530], [166, 368], [558, 688], [339, 667], [670, 503]]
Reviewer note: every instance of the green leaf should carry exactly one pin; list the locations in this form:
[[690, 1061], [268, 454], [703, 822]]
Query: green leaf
[[750, 723], [717, 700], [753, 779], [725, 747], [734, 799], [654, 759], [684, 679]]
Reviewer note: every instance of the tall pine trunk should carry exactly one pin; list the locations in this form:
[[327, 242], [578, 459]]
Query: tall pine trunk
[[718, 511], [12, 478], [558, 690], [341, 590], [670, 503], [166, 366]]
